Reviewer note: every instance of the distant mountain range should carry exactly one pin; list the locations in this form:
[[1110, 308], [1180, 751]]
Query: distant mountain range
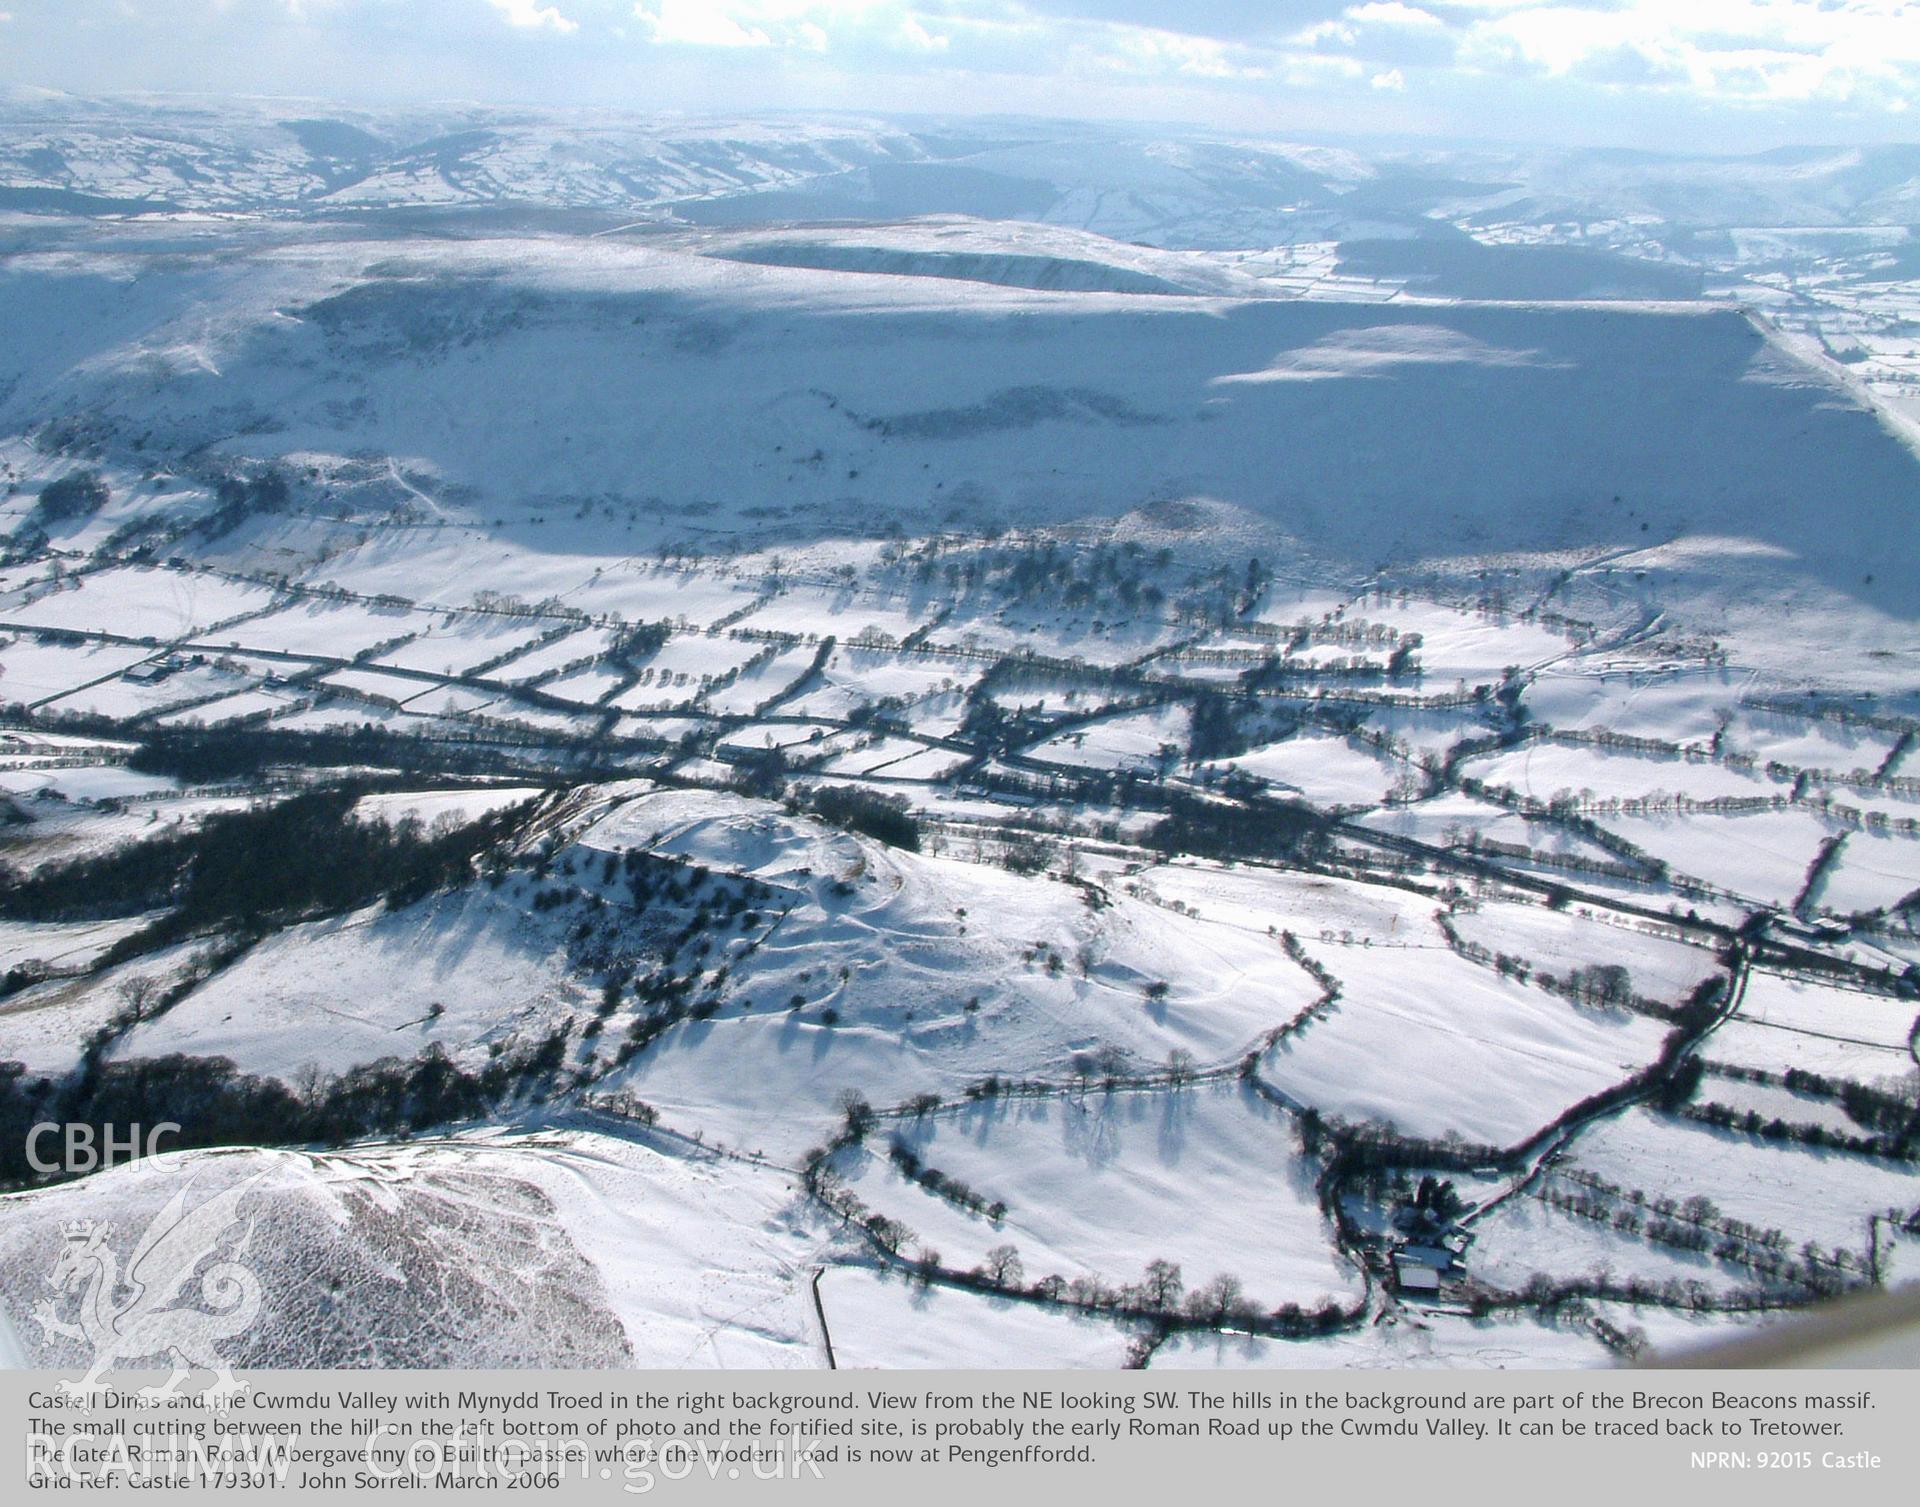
[[1160, 186]]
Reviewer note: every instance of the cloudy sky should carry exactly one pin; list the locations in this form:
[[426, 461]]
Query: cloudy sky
[[1725, 74]]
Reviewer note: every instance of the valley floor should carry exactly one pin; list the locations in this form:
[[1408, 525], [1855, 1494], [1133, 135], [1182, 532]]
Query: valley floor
[[1184, 1020]]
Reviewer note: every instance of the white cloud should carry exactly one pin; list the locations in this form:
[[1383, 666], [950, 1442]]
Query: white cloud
[[1866, 52], [533, 16], [1383, 30], [1392, 13], [915, 35], [1141, 50], [1723, 51], [690, 23], [1834, 67], [804, 25], [1718, 52]]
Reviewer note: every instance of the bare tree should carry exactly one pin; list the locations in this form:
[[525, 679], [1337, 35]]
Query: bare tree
[[139, 995], [1163, 1285], [1003, 1267], [1218, 1301], [856, 1111]]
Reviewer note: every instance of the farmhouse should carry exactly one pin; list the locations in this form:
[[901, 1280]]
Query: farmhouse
[[1418, 1268], [152, 671]]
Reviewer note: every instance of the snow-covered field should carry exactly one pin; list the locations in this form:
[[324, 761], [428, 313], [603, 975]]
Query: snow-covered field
[[888, 1323], [1742, 1043], [1526, 1236], [1103, 1183], [39, 670], [1327, 771], [460, 642], [1659, 965], [1135, 741], [164, 605], [324, 630], [1826, 1196], [1493, 1060], [1870, 874], [1452, 819], [340, 993], [1761, 856], [1542, 771]]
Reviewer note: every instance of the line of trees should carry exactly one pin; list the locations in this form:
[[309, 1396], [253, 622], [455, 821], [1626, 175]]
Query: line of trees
[[248, 870], [215, 1104]]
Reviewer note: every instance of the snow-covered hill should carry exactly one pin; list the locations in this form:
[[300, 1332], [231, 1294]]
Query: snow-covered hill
[[558, 1251], [1162, 186], [656, 394]]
